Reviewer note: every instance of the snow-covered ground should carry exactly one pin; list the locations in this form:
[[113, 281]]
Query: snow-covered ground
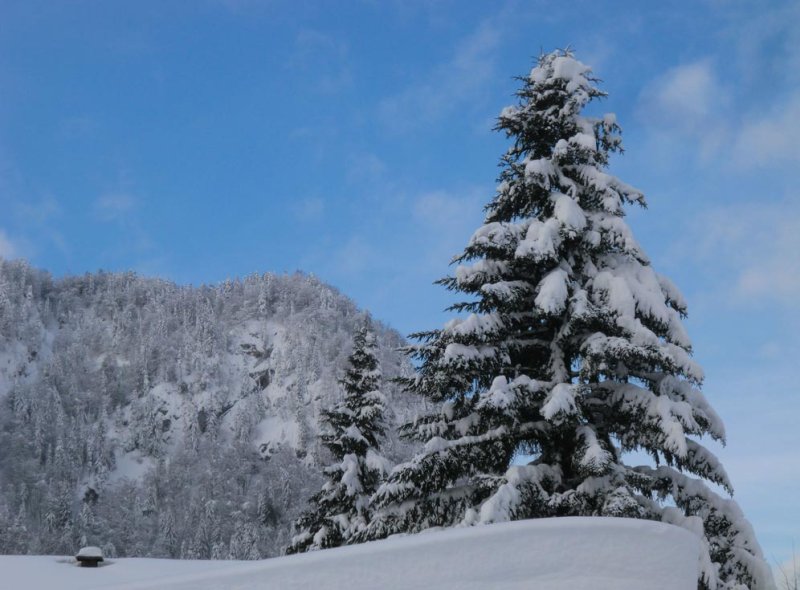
[[547, 554]]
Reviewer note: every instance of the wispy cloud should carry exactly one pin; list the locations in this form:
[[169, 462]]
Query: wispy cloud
[[38, 227], [7, 247], [753, 248], [325, 57], [461, 79], [365, 168], [354, 257], [38, 212], [766, 41], [114, 207], [447, 219], [309, 209], [768, 63], [772, 138], [688, 101], [438, 223], [685, 94], [123, 211], [741, 109], [444, 210]]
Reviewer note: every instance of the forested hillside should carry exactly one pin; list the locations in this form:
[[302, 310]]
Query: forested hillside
[[161, 420]]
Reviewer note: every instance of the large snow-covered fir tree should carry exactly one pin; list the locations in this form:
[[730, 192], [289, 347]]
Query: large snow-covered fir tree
[[569, 349], [340, 510]]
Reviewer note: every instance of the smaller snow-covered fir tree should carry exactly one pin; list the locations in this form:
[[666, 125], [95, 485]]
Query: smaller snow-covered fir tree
[[341, 509]]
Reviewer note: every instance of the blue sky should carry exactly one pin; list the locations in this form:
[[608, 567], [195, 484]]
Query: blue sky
[[206, 140]]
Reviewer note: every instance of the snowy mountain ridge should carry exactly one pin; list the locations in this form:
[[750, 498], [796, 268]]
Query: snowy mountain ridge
[[161, 420]]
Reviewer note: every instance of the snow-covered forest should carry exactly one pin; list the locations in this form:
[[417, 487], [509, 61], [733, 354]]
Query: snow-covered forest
[[158, 420]]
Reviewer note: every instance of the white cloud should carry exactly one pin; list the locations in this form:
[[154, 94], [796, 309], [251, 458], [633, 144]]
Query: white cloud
[[448, 220], [38, 212], [460, 80], [131, 236], [767, 42], [773, 138], [354, 257], [310, 209], [114, 207], [768, 60], [755, 246], [686, 93], [324, 59], [691, 102], [366, 168], [439, 224], [8, 249], [38, 227], [446, 211], [688, 101]]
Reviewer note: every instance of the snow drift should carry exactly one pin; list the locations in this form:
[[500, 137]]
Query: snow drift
[[547, 554]]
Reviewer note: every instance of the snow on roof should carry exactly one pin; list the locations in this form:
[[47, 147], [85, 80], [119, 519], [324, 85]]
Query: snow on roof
[[90, 552]]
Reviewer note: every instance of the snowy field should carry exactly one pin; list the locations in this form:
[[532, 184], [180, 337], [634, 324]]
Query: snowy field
[[546, 554]]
